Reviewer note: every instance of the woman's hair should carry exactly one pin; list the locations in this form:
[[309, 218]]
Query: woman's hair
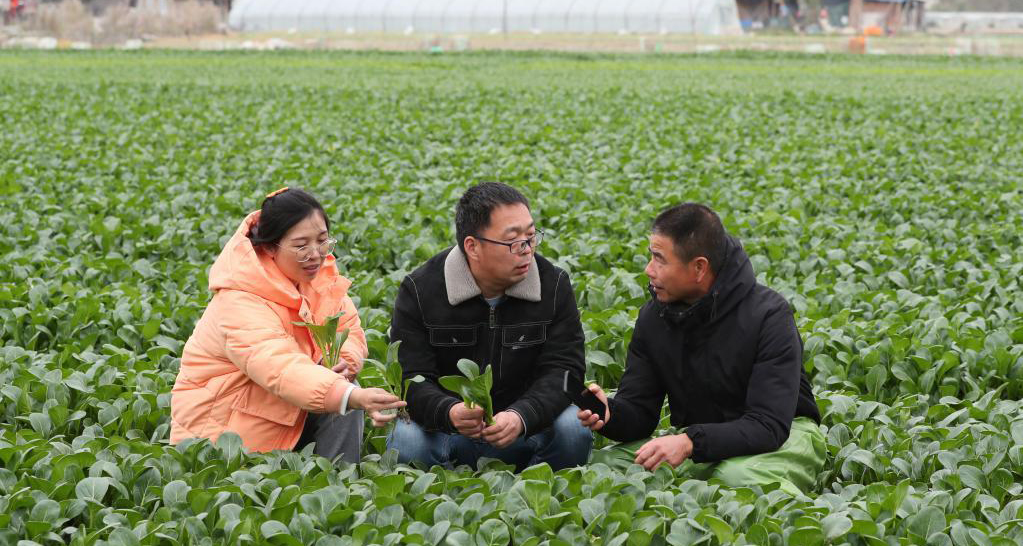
[[280, 212]]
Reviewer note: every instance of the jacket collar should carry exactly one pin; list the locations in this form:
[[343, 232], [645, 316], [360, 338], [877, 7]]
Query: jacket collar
[[461, 285]]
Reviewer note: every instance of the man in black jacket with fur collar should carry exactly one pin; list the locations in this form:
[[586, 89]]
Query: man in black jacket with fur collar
[[726, 353], [493, 300]]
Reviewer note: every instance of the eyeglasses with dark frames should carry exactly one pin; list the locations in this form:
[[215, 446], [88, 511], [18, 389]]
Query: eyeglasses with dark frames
[[520, 246]]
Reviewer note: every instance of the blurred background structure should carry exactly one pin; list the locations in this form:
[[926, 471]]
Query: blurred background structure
[[914, 26], [712, 17], [704, 17]]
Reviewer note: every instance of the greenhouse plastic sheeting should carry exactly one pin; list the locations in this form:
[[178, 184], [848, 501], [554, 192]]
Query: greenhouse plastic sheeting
[[488, 16]]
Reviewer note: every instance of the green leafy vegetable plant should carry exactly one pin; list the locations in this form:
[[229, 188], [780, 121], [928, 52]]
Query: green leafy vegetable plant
[[327, 338], [391, 373], [473, 386], [887, 215]]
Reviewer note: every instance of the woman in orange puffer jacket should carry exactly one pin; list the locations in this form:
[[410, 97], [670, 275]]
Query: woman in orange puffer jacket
[[248, 369]]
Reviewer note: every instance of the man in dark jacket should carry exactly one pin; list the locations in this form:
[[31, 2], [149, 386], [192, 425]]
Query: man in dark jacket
[[490, 299], [726, 352]]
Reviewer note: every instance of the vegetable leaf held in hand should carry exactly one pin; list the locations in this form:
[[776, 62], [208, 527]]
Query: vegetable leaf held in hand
[[391, 373], [327, 338], [474, 387]]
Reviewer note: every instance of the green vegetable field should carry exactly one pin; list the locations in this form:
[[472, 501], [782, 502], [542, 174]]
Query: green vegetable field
[[881, 195]]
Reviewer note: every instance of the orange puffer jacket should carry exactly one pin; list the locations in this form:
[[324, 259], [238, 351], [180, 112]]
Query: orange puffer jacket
[[248, 369]]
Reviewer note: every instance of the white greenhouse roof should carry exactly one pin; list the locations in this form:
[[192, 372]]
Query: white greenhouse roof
[[488, 16]]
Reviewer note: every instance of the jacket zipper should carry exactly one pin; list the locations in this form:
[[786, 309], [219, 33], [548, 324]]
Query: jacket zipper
[[493, 337]]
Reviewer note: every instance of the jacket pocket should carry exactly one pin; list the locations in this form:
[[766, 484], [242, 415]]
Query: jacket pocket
[[524, 335], [453, 336], [259, 402]]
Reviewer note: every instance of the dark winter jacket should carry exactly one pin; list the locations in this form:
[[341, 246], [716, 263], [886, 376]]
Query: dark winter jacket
[[530, 339], [731, 365]]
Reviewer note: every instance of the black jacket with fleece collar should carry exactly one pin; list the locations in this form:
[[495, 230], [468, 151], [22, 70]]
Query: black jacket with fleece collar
[[731, 365], [529, 339]]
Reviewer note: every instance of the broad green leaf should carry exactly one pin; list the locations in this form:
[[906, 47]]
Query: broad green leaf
[[45, 510], [876, 378], [591, 509], [122, 536], [810, 536], [492, 532], [899, 279], [459, 537], [175, 493], [972, 477], [537, 495], [836, 526], [230, 445], [92, 489], [437, 532], [468, 368], [929, 520], [389, 486], [540, 472], [453, 383], [719, 527], [41, 423], [685, 531], [392, 352], [271, 528]]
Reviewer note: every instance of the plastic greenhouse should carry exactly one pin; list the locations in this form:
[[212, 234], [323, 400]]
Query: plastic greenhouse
[[488, 16]]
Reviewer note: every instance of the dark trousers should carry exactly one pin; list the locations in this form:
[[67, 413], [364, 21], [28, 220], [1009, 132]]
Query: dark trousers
[[335, 435]]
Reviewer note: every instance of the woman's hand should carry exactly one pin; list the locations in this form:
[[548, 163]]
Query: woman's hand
[[380, 419], [349, 371], [373, 400]]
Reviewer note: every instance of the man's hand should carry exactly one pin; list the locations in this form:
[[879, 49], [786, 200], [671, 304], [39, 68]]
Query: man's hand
[[506, 428], [468, 422], [588, 419], [666, 449]]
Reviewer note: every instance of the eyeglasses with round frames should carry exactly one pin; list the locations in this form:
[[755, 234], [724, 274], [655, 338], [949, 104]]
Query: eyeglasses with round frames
[[304, 253]]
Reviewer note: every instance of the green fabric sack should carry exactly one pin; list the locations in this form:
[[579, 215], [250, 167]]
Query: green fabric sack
[[794, 466]]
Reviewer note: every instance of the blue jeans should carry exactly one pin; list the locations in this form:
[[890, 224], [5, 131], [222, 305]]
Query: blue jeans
[[564, 444]]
